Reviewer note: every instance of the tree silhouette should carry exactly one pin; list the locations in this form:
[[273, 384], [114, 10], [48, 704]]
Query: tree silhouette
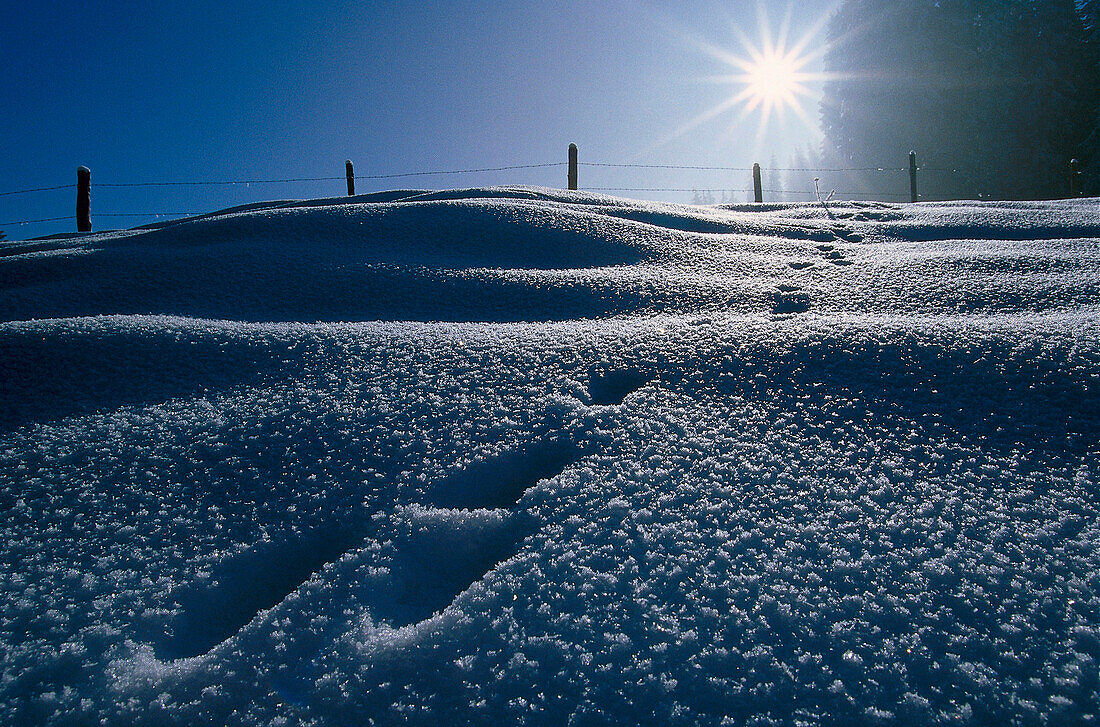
[[1090, 10], [1001, 91]]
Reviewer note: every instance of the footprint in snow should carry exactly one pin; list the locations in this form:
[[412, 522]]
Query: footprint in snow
[[434, 553], [611, 387], [245, 584], [789, 299], [471, 526], [502, 480], [847, 234], [877, 217], [831, 254]]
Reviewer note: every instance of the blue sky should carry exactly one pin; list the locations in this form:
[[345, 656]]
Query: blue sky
[[232, 90]]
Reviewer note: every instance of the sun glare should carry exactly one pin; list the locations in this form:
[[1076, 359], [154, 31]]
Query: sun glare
[[773, 79], [769, 76]]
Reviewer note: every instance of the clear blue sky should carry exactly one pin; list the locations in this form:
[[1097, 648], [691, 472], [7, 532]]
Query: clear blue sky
[[236, 89]]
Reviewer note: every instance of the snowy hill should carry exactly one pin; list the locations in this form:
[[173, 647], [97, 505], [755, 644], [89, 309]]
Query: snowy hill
[[516, 455]]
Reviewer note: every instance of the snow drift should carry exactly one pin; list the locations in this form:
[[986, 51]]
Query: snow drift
[[552, 458]]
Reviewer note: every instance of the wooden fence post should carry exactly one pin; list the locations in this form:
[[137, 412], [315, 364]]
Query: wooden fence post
[[83, 199], [572, 166], [351, 177], [913, 196], [1074, 177], [757, 185]]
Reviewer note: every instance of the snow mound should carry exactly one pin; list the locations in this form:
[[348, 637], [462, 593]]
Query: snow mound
[[528, 456], [519, 254]]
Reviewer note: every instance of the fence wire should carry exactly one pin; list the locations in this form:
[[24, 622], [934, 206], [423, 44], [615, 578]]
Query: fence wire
[[31, 222], [38, 189], [104, 214], [290, 180], [728, 190], [745, 169], [148, 214], [477, 170], [211, 183]]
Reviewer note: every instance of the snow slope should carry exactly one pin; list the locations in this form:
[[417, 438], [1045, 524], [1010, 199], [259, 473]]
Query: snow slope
[[515, 455]]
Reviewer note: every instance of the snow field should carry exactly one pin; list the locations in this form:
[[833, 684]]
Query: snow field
[[795, 470]]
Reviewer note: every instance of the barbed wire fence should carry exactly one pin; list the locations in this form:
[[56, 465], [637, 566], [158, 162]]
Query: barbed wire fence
[[776, 193], [783, 192]]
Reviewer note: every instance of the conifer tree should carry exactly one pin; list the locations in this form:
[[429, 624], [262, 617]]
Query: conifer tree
[[1058, 93], [774, 179], [799, 181], [1089, 11], [999, 90]]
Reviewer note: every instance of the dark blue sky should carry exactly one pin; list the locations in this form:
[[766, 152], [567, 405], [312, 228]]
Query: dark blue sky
[[202, 90]]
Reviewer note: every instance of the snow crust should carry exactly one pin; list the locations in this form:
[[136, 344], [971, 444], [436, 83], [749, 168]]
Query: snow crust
[[517, 455]]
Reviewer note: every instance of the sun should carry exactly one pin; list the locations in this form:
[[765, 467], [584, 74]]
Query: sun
[[770, 75], [774, 80], [773, 77]]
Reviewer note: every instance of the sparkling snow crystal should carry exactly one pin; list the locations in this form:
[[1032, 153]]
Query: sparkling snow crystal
[[513, 455]]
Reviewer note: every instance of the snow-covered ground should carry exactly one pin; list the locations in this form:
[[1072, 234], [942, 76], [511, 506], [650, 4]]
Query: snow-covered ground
[[515, 455]]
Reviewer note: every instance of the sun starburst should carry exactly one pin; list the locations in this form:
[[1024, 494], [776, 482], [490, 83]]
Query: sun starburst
[[774, 75], [773, 80], [769, 77]]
